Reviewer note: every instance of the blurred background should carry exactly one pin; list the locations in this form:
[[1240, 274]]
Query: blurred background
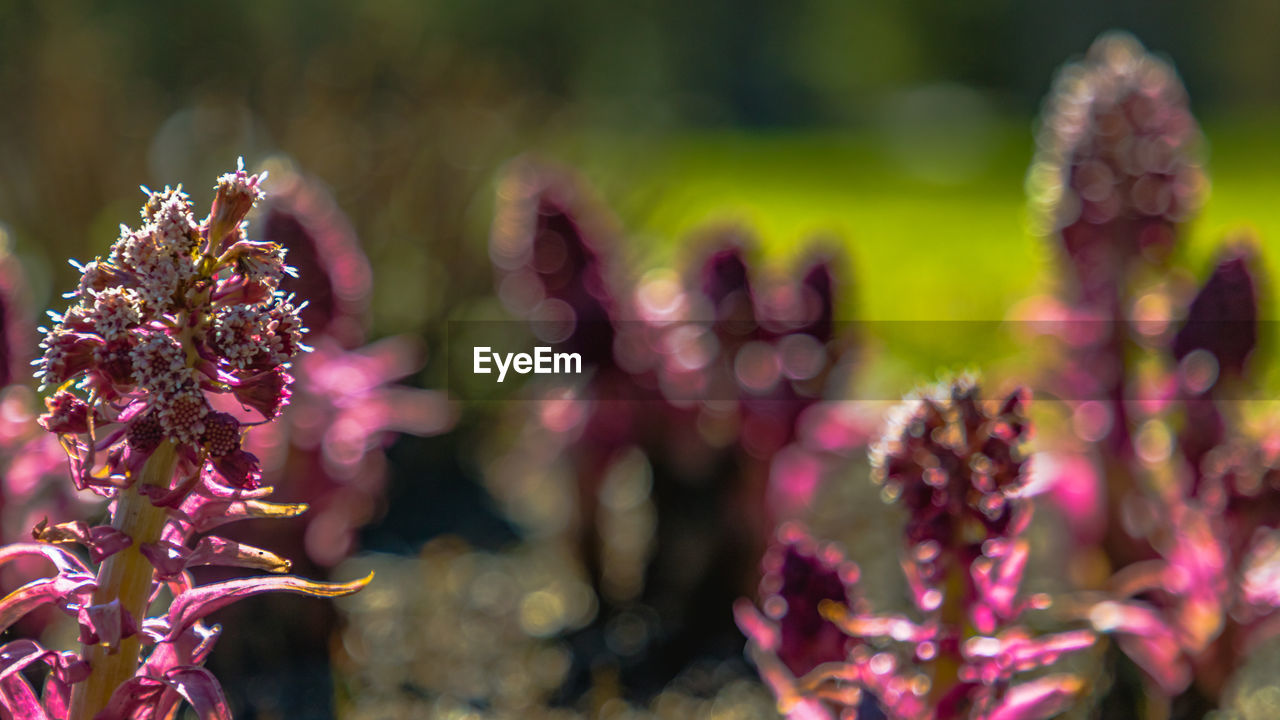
[[894, 135]]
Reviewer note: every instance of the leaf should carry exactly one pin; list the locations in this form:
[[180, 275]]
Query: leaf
[[105, 624], [759, 630], [1038, 699], [1261, 572], [42, 592], [1147, 639], [16, 655], [19, 700], [189, 648], [171, 558], [61, 559], [102, 541], [199, 688], [134, 694], [211, 513], [200, 601]]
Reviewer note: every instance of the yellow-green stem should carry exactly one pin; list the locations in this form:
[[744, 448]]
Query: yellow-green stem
[[127, 576], [953, 616]]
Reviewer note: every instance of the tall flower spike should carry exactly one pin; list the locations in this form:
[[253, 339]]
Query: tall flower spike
[[957, 468], [174, 317], [672, 386], [1116, 177], [1117, 169], [953, 460]]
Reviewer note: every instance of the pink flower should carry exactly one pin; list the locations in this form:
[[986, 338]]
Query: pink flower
[[954, 462], [154, 337]]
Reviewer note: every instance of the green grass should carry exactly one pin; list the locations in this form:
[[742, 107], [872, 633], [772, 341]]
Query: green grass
[[914, 248]]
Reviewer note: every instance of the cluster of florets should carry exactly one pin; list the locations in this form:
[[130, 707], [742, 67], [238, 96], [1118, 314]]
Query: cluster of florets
[[1117, 168], [791, 639], [179, 311], [713, 371], [956, 467], [173, 343], [954, 462]]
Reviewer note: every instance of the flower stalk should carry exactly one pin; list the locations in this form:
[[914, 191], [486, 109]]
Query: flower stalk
[[955, 463], [126, 578], [179, 313]]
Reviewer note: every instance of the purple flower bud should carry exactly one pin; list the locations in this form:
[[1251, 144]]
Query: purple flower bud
[[1118, 169], [819, 302], [67, 414], [954, 463], [237, 193], [799, 575], [548, 242], [726, 284], [267, 392], [1223, 317]]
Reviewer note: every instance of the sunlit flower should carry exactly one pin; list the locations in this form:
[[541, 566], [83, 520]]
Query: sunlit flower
[[139, 361], [954, 462]]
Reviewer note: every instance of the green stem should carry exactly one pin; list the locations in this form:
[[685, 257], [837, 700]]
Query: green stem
[[953, 617], [126, 576]]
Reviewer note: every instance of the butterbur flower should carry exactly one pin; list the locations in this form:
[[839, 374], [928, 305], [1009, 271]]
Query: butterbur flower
[[791, 637], [956, 468], [173, 333], [1117, 170], [1193, 613], [954, 461], [236, 195], [1116, 178], [550, 242], [1223, 317], [691, 378], [1212, 348]]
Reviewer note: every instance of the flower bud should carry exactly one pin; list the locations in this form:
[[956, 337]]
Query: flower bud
[[1118, 169], [237, 193]]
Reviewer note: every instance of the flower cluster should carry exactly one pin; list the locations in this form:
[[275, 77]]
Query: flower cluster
[[1194, 612], [713, 375], [174, 344], [1117, 170], [791, 638], [953, 462], [1153, 369], [1116, 178], [170, 318]]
